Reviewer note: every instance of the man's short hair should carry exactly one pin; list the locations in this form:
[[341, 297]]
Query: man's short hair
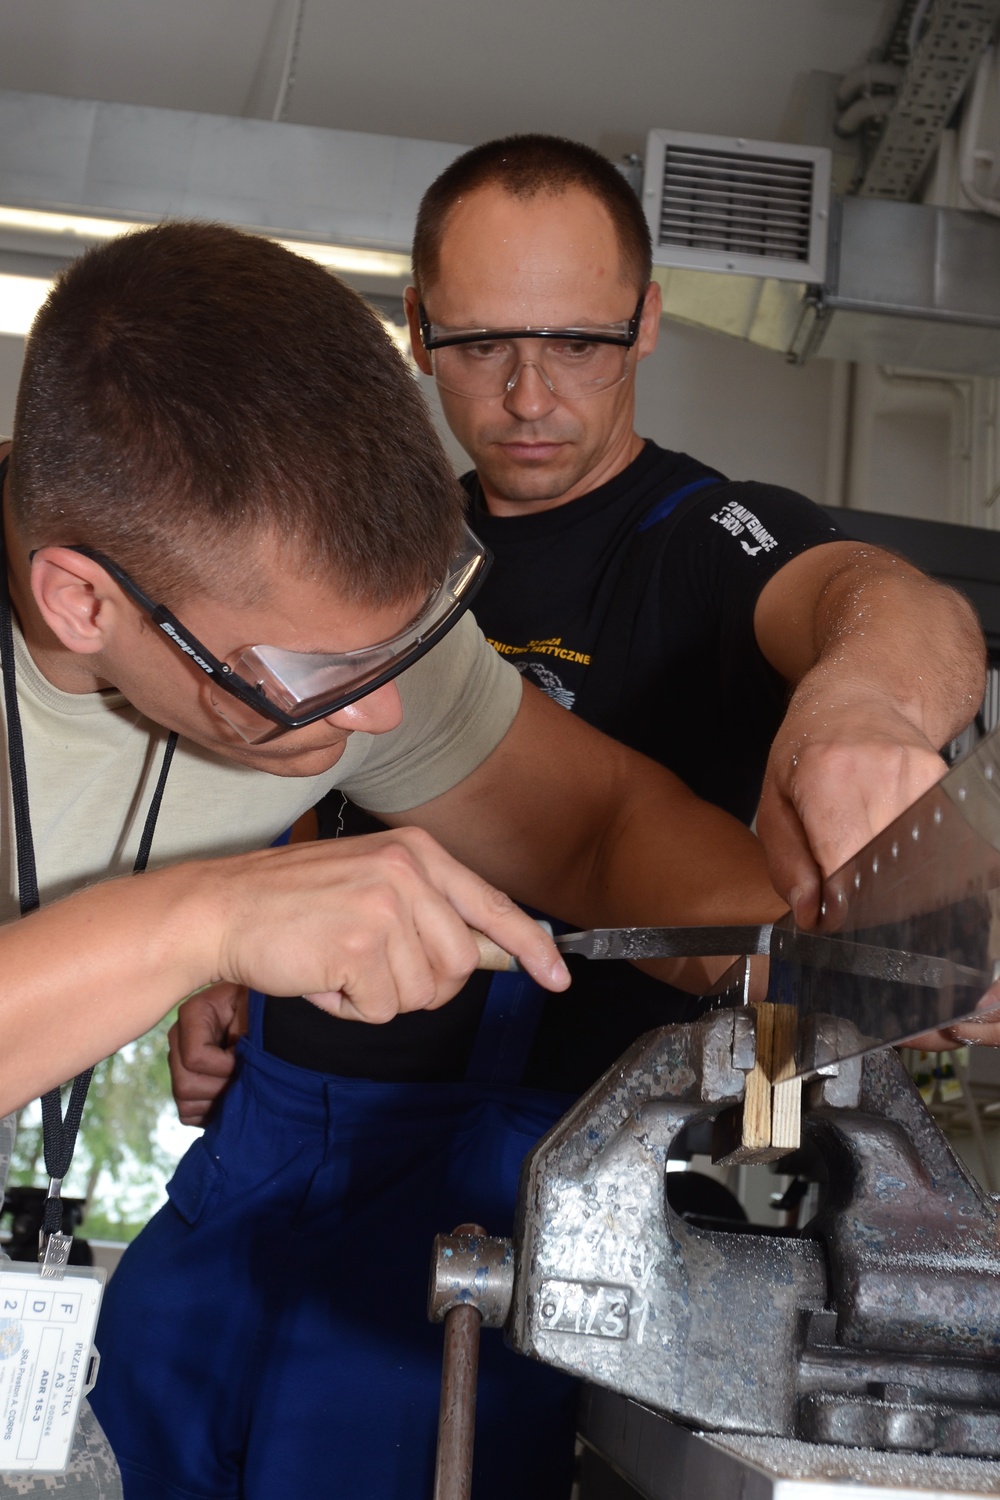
[[524, 166], [189, 390]]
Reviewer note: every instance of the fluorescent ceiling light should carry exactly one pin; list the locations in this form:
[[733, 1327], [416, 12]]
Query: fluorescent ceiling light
[[22, 296], [35, 221], [20, 299], [351, 259], [400, 337]]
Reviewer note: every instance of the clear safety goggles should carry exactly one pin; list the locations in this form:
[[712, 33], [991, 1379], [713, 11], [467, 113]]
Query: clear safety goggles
[[484, 363], [262, 691]]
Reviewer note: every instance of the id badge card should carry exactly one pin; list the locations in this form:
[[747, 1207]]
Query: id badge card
[[47, 1361]]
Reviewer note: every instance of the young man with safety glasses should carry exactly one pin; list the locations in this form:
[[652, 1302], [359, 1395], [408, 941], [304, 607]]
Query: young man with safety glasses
[[232, 545]]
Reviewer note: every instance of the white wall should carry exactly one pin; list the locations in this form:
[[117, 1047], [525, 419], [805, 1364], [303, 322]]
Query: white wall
[[924, 445], [739, 408], [11, 353]]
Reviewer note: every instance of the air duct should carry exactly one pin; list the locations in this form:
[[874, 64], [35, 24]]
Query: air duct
[[749, 240]]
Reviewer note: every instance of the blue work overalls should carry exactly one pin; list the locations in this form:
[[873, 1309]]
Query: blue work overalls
[[266, 1335]]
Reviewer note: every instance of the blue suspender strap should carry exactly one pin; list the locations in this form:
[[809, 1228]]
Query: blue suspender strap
[[507, 1029], [507, 1026], [663, 507]]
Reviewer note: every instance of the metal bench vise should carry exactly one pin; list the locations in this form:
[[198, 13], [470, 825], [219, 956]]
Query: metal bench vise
[[877, 1326]]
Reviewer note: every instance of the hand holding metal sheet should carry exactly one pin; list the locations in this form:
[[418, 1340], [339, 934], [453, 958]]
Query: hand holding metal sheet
[[873, 699], [825, 798], [927, 886], [908, 942]]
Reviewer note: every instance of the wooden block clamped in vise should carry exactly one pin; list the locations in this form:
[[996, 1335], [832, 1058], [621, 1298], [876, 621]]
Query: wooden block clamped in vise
[[770, 1122]]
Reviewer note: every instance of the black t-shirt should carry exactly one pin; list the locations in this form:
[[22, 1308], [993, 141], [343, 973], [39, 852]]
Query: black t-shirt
[[632, 606]]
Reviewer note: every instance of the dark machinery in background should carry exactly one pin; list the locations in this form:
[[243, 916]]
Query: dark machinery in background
[[964, 556]]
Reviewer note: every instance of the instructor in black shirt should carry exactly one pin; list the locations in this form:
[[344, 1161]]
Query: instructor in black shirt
[[642, 590], [532, 307]]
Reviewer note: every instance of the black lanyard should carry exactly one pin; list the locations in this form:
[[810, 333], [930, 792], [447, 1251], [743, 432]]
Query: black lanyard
[[59, 1134]]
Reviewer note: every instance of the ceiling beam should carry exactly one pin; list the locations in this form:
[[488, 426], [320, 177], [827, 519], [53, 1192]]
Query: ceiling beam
[[124, 161]]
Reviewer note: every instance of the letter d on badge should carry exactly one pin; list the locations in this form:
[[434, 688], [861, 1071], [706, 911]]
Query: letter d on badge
[[46, 1356]]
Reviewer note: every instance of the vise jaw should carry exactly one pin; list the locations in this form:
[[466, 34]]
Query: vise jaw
[[878, 1326]]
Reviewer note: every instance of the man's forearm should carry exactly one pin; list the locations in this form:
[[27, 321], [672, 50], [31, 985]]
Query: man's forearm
[[888, 665], [599, 835], [88, 973], [670, 859], [882, 629], [365, 927], [665, 857]]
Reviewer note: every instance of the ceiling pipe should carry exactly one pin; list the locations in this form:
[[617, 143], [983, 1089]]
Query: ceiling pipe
[[875, 107], [969, 135], [866, 80]]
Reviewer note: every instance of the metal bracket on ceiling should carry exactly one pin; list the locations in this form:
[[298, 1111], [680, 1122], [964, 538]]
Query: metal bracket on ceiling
[[938, 71]]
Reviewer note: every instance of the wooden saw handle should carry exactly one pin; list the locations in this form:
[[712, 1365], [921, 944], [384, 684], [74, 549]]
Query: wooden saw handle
[[492, 956]]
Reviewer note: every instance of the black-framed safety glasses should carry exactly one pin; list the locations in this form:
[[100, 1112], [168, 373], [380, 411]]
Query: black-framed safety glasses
[[290, 689], [486, 362]]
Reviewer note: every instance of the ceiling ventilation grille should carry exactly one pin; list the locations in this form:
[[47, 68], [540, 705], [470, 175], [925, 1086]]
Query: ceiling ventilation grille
[[755, 207], [750, 205]]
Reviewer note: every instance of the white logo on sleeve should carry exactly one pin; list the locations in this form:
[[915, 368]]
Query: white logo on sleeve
[[737, 519]]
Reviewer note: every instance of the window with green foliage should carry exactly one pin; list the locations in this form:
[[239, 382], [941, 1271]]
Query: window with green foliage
[[129, 1142]]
